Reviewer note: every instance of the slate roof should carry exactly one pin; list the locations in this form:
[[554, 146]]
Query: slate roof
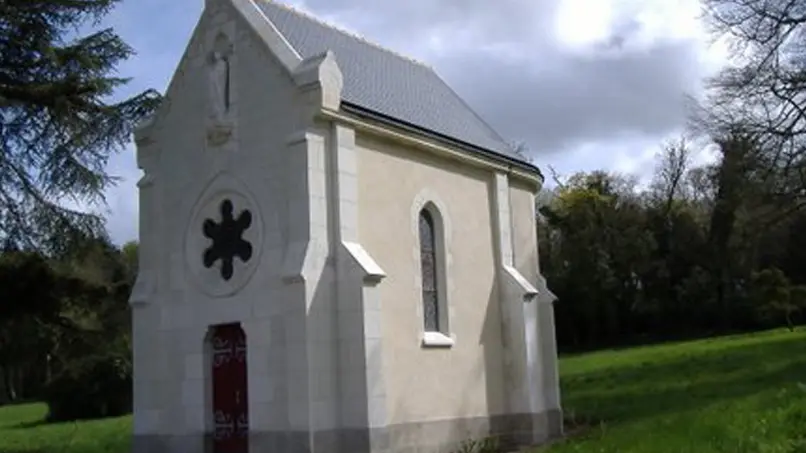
[[392, 87]]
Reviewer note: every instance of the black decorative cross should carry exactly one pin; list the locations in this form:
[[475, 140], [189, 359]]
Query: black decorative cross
[[227, 239]]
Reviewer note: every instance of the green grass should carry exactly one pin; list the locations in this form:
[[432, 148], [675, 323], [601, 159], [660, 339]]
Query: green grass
[[22, 430], [736, 394]]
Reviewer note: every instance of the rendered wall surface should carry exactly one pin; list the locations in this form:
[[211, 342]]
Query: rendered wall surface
[[424, 383]]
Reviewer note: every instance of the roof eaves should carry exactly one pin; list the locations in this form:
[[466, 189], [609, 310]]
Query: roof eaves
[[464, 146]]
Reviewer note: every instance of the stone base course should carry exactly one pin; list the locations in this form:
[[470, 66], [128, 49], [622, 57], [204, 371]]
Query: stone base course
[[442, 436]]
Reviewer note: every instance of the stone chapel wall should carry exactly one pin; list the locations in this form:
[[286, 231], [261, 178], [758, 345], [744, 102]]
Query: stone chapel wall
[[424, 384]]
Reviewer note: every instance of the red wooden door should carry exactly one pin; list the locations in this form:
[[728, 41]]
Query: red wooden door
[[230, 398]]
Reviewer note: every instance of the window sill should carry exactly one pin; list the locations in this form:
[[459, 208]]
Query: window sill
[[436, 340]]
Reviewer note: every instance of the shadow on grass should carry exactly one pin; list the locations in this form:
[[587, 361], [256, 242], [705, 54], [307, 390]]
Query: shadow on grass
[[45, 422], [689, 380], [32, 424], [54, 450]]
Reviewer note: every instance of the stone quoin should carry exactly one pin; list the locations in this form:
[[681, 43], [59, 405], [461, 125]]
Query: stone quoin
[[336, 254]]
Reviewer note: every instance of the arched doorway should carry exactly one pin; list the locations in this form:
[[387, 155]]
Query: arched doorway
[[230, 398]]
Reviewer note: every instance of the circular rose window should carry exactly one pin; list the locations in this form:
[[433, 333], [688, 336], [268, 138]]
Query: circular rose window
[[223, 239]]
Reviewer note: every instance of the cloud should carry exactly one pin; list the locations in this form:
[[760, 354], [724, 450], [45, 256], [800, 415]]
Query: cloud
[[586, 84], [571, 100]]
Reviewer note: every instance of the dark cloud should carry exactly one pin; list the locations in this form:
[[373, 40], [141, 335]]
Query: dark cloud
[[573, 99]]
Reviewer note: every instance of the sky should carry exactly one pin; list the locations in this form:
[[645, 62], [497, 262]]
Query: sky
[[584, 84]]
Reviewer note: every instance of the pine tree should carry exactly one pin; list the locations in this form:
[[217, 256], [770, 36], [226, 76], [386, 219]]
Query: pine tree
[[58, 123]]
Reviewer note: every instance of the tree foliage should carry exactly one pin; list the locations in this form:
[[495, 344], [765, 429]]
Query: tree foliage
[[65, 329], [690, 255], [58, 122]]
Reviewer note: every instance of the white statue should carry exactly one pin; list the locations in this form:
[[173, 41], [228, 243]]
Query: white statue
[[219, 131], [220, 85]]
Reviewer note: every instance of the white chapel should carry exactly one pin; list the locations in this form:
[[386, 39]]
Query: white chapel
[[336, 254]]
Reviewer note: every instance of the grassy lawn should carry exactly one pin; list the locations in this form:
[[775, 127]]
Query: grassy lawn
[[735, 394], [730, 395], [22, 431]]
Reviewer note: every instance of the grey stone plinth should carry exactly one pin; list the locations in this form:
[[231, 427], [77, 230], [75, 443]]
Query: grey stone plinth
[[443, 436]]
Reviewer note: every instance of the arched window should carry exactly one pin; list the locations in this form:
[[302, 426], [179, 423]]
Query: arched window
[[429, 269]]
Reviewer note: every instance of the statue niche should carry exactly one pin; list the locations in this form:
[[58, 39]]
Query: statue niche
[[220, 91]]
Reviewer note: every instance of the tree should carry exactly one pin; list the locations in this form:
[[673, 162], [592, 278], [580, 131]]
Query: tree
[[596, 252], [736, 151], [764, 90], [131, 255], [704, 250], [58, 124], [775, 297], [98, 349], [30, 292], [767, 36], [670, 173], [32, 313]]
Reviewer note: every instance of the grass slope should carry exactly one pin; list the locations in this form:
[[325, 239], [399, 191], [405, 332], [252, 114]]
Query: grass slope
[[735, 394]]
